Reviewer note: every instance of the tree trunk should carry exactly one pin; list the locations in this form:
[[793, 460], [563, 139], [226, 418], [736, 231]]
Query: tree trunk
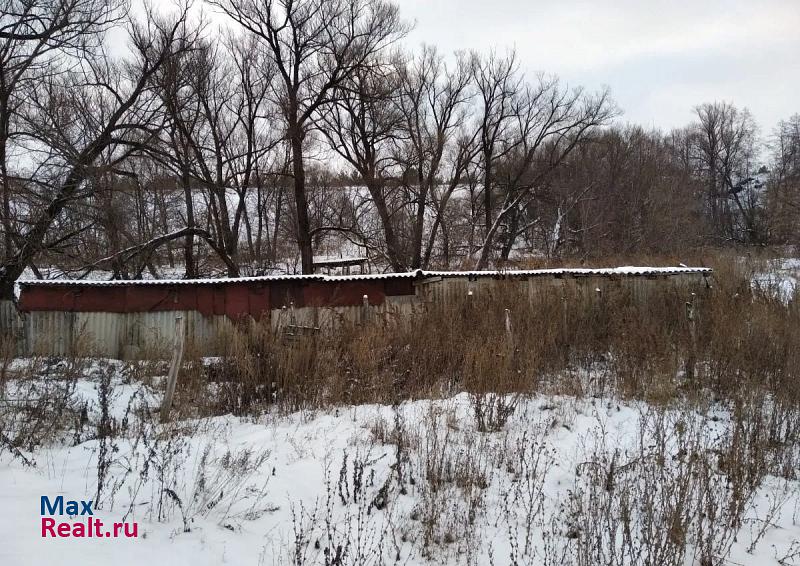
[[35, 237], [486, 249], [188, 251], [487, 191], [301, 202], [276, 231], [392, 247], [419, 227], [508, 245], [8, 241]]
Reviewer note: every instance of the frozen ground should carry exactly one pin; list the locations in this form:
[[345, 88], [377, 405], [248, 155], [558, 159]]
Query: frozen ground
[[414, 484]]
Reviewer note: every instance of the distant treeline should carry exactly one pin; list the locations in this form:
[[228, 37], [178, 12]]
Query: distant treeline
[[305, 128]]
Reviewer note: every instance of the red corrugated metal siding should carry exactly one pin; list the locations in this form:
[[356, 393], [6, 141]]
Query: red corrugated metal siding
[[205, 299], [237, 301], [46, 298], [394, 287], [283, 293], [150, 299], [342, 294], [234, 300], [259, 301], [219, 300]]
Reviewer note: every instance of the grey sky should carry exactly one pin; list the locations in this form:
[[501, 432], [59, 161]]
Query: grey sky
[[659, 57]]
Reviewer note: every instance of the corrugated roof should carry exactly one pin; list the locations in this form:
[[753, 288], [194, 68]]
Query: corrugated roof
[[627, 271]]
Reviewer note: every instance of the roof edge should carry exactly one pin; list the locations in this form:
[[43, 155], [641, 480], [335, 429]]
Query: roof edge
[[625, 271]]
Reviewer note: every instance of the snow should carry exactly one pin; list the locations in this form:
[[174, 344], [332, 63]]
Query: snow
[[781, 276], [418, 274], [296, 474]]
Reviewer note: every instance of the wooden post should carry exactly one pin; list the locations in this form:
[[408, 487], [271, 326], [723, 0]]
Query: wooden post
[[172, 378], [691, 359], [364, 309], [512, 351], [564, 326]]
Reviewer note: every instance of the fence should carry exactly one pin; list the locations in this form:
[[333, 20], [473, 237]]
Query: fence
[[133, 319]]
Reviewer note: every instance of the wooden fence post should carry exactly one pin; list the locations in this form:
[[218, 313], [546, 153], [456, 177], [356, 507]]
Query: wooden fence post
[[172, 378], [692, 318], [564, 325], [364, 309]]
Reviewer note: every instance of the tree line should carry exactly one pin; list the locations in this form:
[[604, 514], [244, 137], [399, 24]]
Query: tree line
[[304, 128]]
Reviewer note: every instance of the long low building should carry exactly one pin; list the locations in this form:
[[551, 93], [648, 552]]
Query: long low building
[[128, 319]]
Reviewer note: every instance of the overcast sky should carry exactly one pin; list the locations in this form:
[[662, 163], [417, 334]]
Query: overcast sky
[[660, 58]]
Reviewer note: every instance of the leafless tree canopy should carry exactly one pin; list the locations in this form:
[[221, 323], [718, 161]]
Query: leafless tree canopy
[[303, 129]]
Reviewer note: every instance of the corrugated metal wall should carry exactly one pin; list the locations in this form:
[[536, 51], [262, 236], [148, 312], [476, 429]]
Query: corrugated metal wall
[[328, 317], [448, 289], [150, 334], [12, 326], [119, 335]]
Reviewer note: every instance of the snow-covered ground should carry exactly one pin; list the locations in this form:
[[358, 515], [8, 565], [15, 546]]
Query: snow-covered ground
[[417, 483], [782, 275]]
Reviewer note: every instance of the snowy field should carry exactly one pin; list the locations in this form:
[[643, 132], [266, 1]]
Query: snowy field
[[536, 481]]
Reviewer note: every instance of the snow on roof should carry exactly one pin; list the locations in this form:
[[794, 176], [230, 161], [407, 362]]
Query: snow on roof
[[626, 271], [575, 272]]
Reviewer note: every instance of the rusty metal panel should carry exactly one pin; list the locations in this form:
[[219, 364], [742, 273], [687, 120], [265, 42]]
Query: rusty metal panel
[[398, 287], [143, 299], [46, 298], [259, 301], [284, 293], [237, 301], [342, 294], [94, 299]]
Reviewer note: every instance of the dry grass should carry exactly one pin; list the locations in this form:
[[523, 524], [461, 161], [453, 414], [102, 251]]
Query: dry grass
[[677, 493], [621, 341]]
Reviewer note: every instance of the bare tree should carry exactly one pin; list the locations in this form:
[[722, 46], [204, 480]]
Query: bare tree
[[316, 45], [219, 133], [39, 38], [550, 122], [726, 147], [90, 120], [362, 126], [499, 86], [784, 181], [434, 104]]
